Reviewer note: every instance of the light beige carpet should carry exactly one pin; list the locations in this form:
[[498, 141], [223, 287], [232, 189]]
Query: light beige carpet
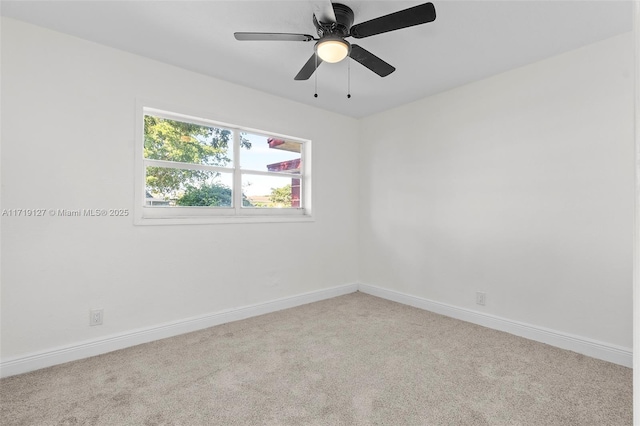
[[352, 360]]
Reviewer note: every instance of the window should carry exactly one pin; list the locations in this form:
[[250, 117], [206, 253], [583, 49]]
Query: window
[[194, 170]]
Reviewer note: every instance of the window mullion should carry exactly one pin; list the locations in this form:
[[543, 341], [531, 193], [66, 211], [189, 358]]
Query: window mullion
[[277, 174], [237, 177], [184, 166]]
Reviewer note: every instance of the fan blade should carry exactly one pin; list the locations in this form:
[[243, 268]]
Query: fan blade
[[309, 68], [416, 15], [371, 61], [323, 10], [272, 37]]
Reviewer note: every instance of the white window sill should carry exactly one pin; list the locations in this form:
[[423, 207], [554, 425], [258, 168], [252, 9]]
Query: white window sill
[[217, 220]]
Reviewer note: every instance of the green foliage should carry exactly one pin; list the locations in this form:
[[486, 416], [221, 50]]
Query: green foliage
[[176, 141], [281, 197], [215, 195]]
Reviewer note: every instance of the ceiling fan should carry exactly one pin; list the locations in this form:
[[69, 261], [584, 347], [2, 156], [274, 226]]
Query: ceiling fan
[[334, 23]]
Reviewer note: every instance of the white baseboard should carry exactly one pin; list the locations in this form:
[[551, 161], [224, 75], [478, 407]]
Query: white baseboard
[[607, 352], [593, 348], [103, 345]]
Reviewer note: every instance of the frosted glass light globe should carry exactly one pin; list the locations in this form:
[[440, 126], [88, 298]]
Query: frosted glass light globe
[[332, 51]]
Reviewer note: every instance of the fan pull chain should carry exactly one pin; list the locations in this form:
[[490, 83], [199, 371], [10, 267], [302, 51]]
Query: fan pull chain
[[315, 95], [349, 77]]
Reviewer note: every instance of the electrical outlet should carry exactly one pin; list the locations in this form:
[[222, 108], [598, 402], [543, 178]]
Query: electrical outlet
[[95, 317], [481, 298]]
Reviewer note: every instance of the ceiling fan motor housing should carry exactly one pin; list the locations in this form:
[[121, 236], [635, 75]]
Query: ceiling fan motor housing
[[340, 28]]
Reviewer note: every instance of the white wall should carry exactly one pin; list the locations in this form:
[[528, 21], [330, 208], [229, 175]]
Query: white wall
[[520, 185], [68, 109]]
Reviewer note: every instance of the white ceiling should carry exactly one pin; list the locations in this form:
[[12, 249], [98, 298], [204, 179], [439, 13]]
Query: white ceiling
[[468, 41]]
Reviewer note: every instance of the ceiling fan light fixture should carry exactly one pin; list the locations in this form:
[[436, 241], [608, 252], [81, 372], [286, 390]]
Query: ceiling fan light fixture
[[332, 50]]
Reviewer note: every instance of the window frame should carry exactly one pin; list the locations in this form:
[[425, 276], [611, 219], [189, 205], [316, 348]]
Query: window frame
[[237, 213]]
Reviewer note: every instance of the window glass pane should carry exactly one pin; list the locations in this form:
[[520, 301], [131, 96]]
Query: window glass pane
[[172, 140], [271, 191], [268, 154], [181, 187]]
